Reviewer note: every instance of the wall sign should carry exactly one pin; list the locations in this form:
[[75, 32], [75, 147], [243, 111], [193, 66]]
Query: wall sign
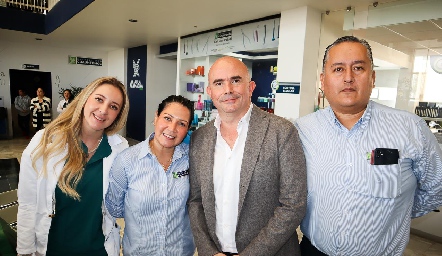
[[30, 66], [289, 87], [258, 35], [85, 61]]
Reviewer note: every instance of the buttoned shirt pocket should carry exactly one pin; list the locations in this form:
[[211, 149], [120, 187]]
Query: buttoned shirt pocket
[[377, 181], [385, 180]]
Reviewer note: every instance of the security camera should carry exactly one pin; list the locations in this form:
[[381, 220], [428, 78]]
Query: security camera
[[375, 4]]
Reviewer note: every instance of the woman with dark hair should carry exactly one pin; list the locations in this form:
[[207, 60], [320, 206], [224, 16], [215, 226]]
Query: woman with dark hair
[[64, 176], [149, 186], [68, 97]]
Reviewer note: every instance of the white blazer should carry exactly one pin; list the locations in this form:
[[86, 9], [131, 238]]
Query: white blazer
[[35, 199], [60, 105]]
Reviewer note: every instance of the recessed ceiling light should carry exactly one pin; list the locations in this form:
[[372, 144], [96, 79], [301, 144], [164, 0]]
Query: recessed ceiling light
[[38, 39], [132, 20]]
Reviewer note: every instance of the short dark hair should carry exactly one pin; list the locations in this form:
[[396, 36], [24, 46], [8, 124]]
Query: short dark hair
[[178, 99], [348, 39]]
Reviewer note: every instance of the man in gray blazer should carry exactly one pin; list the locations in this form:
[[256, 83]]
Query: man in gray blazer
[[247, 173]]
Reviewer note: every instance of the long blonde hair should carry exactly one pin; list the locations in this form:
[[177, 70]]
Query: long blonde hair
[[65, 131]]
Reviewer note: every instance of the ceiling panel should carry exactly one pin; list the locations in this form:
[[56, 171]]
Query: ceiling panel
[[104, 25]]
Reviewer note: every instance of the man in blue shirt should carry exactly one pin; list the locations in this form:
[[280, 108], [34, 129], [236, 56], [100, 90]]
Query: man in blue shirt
[[370, 168]]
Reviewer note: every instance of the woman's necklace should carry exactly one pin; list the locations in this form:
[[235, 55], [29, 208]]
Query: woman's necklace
[[89, 152], [167, 164]]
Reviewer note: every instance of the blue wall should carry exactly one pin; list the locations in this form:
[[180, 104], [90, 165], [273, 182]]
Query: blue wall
[[263, 77], [136, 82], [14, 19], [18, 20]]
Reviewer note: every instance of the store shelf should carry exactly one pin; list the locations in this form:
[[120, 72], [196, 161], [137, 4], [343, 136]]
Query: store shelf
[[168, 56]]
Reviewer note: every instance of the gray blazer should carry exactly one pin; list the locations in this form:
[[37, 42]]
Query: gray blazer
[[272, 194]]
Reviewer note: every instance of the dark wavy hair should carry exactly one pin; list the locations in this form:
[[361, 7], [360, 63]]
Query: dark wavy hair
[[177, 99]]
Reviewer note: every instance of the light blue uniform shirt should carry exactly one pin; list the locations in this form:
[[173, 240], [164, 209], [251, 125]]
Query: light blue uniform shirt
[[353, 207], [152, 201]]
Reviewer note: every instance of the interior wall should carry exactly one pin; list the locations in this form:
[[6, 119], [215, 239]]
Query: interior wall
[[331, 29], [50, 59], [117, 68], [297, 54], [161, 82], [387, 85]]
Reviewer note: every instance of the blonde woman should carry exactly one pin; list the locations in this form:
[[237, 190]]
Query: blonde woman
[[64, 176]]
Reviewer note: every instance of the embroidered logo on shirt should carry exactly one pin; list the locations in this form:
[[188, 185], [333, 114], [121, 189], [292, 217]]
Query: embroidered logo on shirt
[[177, 175]]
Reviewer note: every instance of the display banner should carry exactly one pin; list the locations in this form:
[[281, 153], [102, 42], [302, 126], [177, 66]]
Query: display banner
[[287, 94], [136, 82], [258, 35]]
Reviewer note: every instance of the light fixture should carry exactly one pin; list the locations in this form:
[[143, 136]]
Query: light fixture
[[132, 20], [348, 8], [327, 12], [375, 4]]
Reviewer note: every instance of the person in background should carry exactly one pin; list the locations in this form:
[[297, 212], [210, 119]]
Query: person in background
[[68, 97], [370, 168], [149, 186], [247, 173], [64, 176], [22, 103], [41, 110]]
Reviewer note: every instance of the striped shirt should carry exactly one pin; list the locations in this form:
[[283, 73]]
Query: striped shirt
[[353, 207], [152, 201], [44, 108]]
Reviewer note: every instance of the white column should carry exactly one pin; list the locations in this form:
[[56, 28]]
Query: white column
[[297, 60], [117, 68]]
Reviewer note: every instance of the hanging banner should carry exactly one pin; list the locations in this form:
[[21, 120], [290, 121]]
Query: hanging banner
[[136, 82], [253, 36]]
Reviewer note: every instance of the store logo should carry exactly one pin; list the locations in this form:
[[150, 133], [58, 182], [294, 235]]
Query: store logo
[[136, 84], [136, 67], [223, 36]]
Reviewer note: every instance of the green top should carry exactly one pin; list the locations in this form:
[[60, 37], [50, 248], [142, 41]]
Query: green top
[[76, 228]]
